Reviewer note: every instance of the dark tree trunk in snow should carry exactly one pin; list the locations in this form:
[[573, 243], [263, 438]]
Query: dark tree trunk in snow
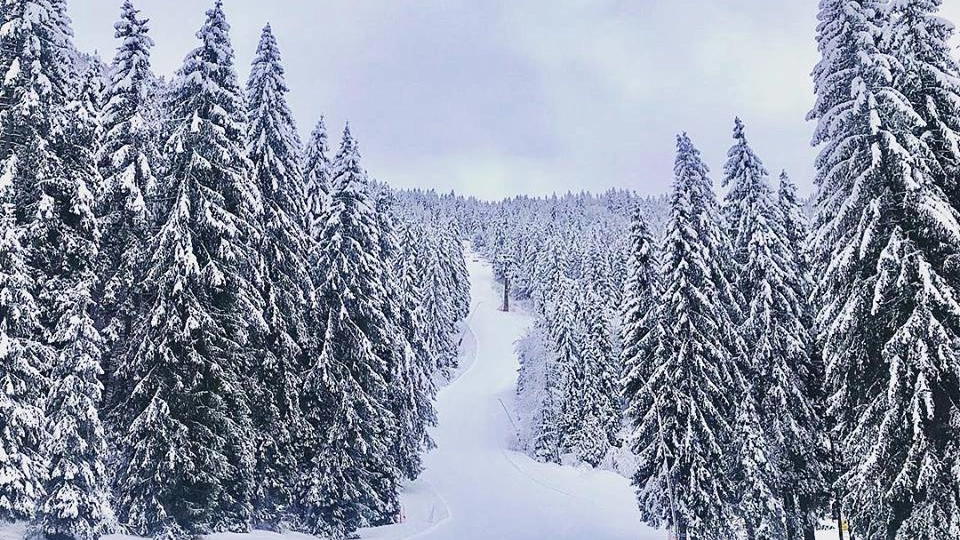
[[506, 293]]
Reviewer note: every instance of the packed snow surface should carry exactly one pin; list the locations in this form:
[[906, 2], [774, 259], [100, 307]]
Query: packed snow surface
[[474, 487]]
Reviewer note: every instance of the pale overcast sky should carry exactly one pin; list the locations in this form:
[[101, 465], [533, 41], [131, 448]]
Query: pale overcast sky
[[499, 97]]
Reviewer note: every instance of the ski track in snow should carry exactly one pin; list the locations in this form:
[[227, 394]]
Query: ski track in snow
[[473, 486]]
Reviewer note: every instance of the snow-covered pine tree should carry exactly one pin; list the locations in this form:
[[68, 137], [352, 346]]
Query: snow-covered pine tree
[[547, 440], [185, 463], [639, 320], [566, 330], [885, 248], [760, 502], [436, 308], [795, 226], [86, 107], [316, 171], [928, 75], [24, 358], [418, 375], [683, 431], [128, 161], [411, 387], [808, 492], [599, 403], [748, 181], [779, 428], [273, 149], [51, 174], [75, 505], [455, 265], [350, 478]]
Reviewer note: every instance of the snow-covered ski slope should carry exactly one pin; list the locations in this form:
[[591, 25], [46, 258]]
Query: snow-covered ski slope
[[473, 487]]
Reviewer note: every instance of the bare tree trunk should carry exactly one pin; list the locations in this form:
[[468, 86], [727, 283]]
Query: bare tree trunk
[[838, 512], [506, 293]]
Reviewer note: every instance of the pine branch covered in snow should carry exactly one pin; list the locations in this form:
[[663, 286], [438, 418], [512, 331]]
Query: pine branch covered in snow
[[287, 289], [186, 458], [884, 249], [129, 161]]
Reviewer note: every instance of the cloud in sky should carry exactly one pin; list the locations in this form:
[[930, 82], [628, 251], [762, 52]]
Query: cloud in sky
[[499, 97]]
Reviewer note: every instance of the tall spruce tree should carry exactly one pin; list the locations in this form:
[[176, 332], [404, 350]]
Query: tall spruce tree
[[926, 72], [565, 335], [778, 425], [411, 387], [683, 428], [317, 172], [640, 324], [48, 163], [186, 461], [273, 148], [24, 358], [86, 108], [128, 161], [599, 397], [455, 266], [75, 505], [795, 225], [437, 308], [748, 183], [887, 236], [351, 478]]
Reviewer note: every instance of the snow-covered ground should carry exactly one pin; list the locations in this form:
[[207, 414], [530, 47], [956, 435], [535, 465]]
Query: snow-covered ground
[[473, 487]]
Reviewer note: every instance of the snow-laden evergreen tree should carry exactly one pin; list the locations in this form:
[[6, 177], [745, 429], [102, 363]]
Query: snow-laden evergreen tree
[[640, 325], [747, 180], [683, 428], [809, 493], [24, 358], [795, 226], [413, 388], [350, 477], [760, 502], [565, 334], [186, 461], [455, 266], [928, 75], [317, 172], [779, 439], [273, 148], [48, 163], [86, 107], [437, 308], [597, 390], [547, 441], [75, 505], [128, 162], [884, 253], [537, 394]]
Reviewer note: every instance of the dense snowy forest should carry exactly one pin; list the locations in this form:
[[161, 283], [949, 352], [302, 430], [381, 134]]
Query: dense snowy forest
[[205, 325], [209, 325]]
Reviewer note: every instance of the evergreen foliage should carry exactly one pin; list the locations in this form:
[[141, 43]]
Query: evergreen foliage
[[683, 431], [316, 172], [273, 149], [885, 240], [186, 457], [351, 479], [128, 162]]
